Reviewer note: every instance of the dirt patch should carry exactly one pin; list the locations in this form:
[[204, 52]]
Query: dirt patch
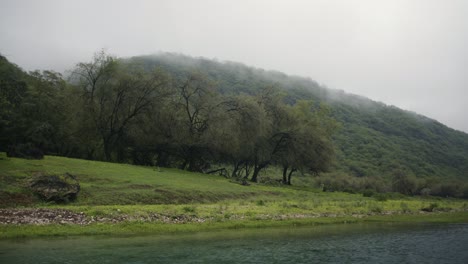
[[8, 199], [140, 186], [93, 179], [6, 179]]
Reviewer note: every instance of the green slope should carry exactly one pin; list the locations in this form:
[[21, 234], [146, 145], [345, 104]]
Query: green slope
[[104, 183], [127, 199], [109, 183], [375, 139]]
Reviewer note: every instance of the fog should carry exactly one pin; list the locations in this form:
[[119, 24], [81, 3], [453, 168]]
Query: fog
[[408, 53]]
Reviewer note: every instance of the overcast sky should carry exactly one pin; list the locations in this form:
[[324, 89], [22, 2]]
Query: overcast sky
[[410, 53]]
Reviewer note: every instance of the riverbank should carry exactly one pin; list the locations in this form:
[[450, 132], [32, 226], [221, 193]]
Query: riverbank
[[76, 224], [122, 199]]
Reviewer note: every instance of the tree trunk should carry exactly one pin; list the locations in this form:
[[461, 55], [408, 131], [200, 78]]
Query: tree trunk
[[184, 164], [247, 170], [255, 174], [285, 172], [290, 174], [162, 159], [235, 169], [107, 150], [90, 154], [257, 169]]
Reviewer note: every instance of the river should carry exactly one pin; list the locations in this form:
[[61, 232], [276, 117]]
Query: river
[[346, 243]]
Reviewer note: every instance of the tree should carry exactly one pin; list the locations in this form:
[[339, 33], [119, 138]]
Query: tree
[[241, 125], [115, 94], [45, 107], [308, 146], [32, 111], [194, 108], [273, 140], [402, 183], [13, 89]]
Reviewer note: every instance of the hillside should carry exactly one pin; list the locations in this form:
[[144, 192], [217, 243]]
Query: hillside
[[374, 139], [207, 116], [128, 199]]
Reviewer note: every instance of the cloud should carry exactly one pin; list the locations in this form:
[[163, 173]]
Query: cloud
[[411, 54]]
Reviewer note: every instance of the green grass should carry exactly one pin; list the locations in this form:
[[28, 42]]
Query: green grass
[[144, 228], [101, 181], [109, 190]]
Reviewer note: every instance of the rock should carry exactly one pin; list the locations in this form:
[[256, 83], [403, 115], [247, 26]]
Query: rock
[[244, 182], [57, 188]]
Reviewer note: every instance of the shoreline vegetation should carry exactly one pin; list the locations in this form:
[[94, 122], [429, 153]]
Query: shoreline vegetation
[[121, 199]]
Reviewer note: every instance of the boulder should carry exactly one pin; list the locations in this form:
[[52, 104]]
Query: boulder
[[55, 188]]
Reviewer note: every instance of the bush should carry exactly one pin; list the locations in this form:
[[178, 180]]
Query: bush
[[368, 193], [402, 183], [430, 208], [376, 209], [189, 209], [345, 183], [465, 191], [25, 151], [425, 192], [381, 197], [404, 207], [448, 189]]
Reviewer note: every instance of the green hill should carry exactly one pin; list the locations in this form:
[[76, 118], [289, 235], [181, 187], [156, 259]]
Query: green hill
[[374, 140], [171, 110]]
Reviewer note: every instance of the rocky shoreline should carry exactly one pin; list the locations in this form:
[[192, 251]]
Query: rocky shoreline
[[44, 216], [41, 216]]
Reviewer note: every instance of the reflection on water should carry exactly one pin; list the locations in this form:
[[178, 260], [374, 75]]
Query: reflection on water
[[353, 243]]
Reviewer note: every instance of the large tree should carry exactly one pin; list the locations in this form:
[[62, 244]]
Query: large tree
[[308, 145], [115, 93], [196, 108], [242, 125], [13, 90]]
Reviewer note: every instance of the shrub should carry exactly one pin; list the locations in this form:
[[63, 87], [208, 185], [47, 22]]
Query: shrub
[[368, 193], [375, 209], [381, 197], [430, 208], [341, 182], [402, 183], [404, 207], [447, 189], [465, 191], [25, 151], [425, 192], [189, 209]]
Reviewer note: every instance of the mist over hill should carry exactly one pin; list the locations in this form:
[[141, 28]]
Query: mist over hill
[[374, 138]]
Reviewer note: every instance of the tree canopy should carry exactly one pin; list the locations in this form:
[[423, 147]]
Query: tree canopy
[[124, 111]]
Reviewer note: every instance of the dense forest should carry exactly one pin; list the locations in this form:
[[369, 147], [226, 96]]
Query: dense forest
[[202, 115]]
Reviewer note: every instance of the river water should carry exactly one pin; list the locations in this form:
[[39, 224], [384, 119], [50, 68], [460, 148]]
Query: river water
[[346, 243]]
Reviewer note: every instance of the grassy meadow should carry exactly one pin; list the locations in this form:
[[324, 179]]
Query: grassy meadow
[[169, 200]]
